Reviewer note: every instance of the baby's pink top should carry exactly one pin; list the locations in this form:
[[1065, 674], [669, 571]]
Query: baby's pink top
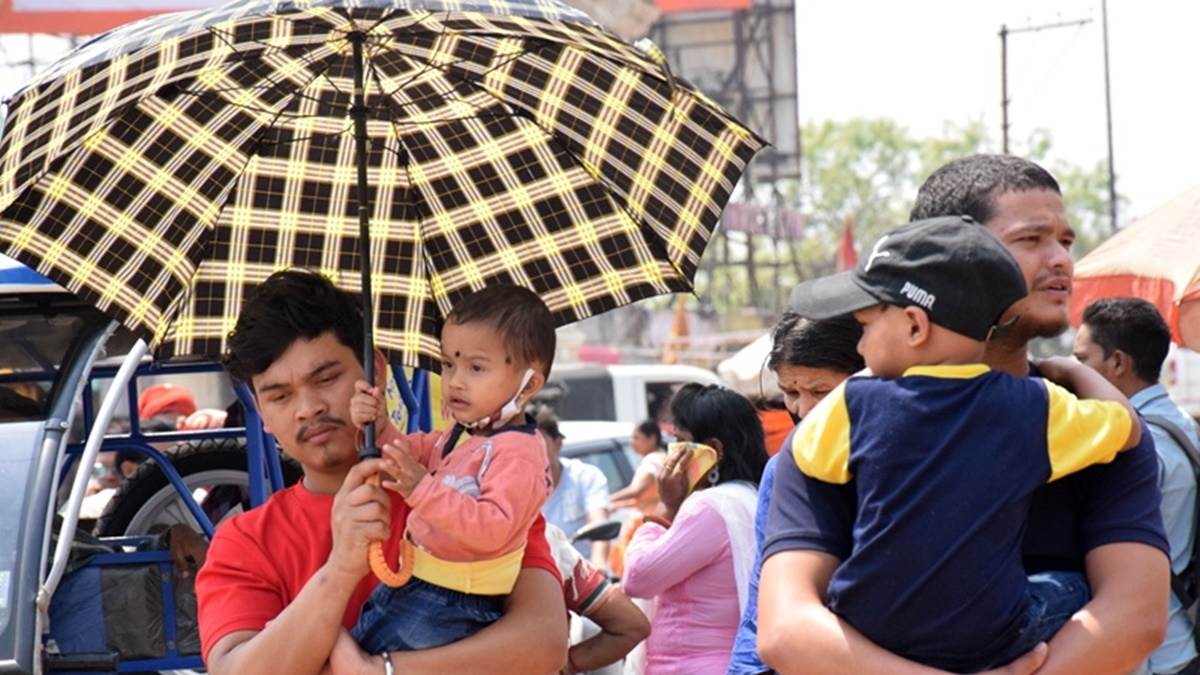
[[689, 568], [478, 502]]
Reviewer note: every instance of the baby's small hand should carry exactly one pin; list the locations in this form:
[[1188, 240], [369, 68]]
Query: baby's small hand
[[406, 472], [366, 405]]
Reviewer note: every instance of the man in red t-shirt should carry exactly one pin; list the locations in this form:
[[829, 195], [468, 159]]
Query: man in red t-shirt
[[282, 583]]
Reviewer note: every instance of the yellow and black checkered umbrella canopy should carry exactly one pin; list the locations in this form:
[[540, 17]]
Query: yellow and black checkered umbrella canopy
[[166, 168]]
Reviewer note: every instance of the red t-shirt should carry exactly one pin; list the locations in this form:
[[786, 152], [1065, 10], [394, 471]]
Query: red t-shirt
[[259, 561]]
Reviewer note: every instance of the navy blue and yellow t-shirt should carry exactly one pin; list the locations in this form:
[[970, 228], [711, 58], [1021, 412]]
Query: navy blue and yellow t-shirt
[[944, 461]]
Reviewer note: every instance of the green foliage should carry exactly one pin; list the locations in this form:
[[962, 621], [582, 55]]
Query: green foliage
[[867, 171], [1085, 194]]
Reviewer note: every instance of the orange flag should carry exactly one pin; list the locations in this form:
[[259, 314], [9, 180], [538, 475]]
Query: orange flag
[[679, 329], [846, 257]]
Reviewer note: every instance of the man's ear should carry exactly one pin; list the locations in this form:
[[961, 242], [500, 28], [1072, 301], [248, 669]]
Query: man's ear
[[1121, 363], [258, 407], [918, 326]]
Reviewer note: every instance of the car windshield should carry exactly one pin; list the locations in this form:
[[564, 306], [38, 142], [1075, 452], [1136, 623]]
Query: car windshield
[[33, 342], [36, 335], [581, 397]]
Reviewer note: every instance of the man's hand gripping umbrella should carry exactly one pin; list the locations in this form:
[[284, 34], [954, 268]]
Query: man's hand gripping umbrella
[[379, 565], [405, 473]]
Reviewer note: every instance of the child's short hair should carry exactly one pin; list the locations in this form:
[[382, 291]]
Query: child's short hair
[[519, 315]]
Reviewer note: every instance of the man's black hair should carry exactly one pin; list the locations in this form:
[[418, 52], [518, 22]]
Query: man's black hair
[[969, 186], [829, 343], [519, 315], [712, 411], [290, 305], [650, 429], [1133, 326]]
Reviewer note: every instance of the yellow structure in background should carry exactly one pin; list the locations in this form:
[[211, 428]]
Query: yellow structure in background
[[395, 404]]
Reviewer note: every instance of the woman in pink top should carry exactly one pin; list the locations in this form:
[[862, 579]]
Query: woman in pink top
[[694, 555]]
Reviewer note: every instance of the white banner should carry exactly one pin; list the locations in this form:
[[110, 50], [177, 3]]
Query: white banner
[[85, 17], [111, 5]]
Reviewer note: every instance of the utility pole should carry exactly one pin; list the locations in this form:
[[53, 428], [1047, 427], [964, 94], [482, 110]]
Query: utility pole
[[1005, 31], [1004, 87], [1112, 175]]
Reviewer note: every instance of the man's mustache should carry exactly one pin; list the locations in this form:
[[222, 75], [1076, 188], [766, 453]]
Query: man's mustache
[[317, 426]]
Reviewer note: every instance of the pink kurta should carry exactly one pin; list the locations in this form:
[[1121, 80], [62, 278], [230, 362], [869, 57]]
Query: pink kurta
[[689, 568]]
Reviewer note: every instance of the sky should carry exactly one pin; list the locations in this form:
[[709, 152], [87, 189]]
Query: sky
[[928, 62]]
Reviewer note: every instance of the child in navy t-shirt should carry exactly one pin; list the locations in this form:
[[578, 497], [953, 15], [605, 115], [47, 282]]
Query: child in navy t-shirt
[[945, 453]]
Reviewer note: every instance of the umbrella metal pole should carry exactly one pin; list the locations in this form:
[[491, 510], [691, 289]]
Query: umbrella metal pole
[[359, 113]]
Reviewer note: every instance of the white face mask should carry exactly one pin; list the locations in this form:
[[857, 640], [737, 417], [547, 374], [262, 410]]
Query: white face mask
[[509, 411]]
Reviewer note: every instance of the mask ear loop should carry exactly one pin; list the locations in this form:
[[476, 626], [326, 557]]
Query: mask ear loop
[[512, 408]]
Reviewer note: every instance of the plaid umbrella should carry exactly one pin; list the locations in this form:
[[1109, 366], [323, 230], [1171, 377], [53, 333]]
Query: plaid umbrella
[[166, 168]]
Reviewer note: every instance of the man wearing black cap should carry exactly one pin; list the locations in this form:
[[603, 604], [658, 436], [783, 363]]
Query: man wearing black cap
[[1103, 521], [942, 454]]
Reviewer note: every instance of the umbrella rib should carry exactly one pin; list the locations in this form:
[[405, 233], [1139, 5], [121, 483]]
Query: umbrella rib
[[271, 83], [287, 115], [403, 155], [426, 67], [282, 114], [595, 175], [652, 65], [124, 108], [652, 241], [538, 46], [266, 45], [173, 308]]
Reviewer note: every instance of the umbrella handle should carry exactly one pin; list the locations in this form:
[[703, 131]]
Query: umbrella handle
[[379, 565]]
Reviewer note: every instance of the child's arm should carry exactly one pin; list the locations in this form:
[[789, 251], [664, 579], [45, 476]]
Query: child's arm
[[510, 497], [1089, 384], [367, 405]]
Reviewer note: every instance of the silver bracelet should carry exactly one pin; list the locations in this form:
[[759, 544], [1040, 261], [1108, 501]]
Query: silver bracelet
[[388, 669]]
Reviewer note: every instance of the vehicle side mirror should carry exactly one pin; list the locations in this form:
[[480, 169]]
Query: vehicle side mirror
[[609, 529]]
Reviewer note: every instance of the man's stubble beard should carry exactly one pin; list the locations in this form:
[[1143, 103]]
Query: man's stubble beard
[[324, 458], [1026, 329], [333, 456]]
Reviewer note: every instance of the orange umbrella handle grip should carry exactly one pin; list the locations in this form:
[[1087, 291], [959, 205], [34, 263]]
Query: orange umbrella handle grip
[[379, 566]]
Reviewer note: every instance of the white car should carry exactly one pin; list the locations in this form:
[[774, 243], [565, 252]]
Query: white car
[[604, 445], [617, 393]]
